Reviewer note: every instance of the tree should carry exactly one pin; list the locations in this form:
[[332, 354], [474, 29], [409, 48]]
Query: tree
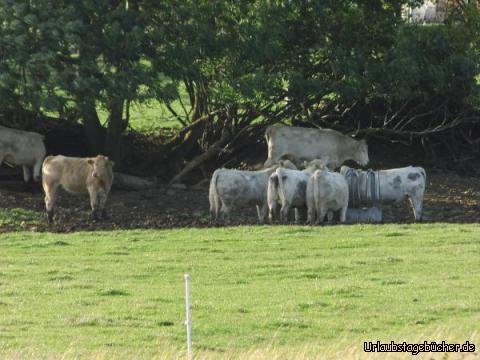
[[81, 55], [244, 65]]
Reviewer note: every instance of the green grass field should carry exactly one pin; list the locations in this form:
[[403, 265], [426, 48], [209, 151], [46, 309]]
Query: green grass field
[[149, 117], [299, 289]]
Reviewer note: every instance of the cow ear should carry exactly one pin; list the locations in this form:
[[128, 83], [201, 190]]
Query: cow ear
[[90, 161]]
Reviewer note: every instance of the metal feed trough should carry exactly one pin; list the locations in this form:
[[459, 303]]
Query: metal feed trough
[[364, 196]]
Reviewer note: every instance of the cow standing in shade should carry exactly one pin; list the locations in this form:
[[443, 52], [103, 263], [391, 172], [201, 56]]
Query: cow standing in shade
[[22, 148], [77, 176], [231, 188], [304, 144], [397, 184], [286, 187], [326, 191]]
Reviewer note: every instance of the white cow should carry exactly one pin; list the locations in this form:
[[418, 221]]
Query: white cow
[[304, 144], [22, 148], [231, 188], [397, 184], [286, 187], [326, 192]]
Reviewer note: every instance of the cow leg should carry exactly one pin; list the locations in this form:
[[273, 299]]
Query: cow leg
[[321, 215], [262, 213], [214, 213], [26, 173], [343, 215], [417, 205], [224, 212], [215, 210], [284, 213], [37, 168], [299, 215], [273, 213], [50, 198], [94, 202], [330, 216], [102, 199], [311, 215]]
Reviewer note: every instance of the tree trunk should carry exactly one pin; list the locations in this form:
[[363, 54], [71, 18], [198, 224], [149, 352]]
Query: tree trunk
[[116, 126], [94, 130], [130, 182], [199, 160], [194, 132]]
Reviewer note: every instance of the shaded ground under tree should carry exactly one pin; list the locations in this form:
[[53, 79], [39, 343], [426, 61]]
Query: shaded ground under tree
[[449, 198]]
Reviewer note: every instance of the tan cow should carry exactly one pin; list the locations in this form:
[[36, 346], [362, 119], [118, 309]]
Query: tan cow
[[22, 148], [78, 176], [304, 144]]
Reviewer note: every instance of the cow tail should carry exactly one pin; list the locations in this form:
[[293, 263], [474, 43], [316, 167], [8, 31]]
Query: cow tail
[[315, 193], [45, 161], [213, 195], [281, 189], [272, 192], [268, 133], [424, 174]]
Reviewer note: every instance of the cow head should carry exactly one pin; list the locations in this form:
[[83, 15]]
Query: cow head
[[287, 164], [361, 155], [101, 166], [344, 169], [317, 164]]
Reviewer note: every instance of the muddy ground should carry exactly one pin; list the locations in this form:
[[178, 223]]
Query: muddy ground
[[449, 198]]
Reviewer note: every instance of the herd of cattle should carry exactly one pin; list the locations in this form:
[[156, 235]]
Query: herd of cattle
[[298, 174], [316, 188]]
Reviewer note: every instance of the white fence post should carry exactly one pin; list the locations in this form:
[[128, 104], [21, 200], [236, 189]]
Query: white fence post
[[187, 322]]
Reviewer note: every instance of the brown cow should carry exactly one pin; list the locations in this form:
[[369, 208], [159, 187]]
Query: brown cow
[[78, 176]]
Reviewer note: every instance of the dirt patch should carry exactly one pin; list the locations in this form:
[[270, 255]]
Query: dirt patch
[[449, 198]]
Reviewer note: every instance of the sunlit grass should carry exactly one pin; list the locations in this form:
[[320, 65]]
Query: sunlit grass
[[15, 216], [255, 290]]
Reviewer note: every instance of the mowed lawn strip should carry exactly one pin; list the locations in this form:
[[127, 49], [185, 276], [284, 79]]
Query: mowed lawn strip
[[251, 287]]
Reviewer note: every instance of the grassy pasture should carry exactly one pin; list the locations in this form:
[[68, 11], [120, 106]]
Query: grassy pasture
[[294, 289], [150, 116]]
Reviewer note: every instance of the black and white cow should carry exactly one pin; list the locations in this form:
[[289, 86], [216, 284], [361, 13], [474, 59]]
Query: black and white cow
[[397, 184]]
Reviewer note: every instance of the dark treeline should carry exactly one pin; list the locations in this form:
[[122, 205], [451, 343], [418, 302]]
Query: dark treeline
[[355, 66]]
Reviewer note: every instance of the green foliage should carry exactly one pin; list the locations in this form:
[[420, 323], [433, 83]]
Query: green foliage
[[234, 55], [426, 63], [252, 287]]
